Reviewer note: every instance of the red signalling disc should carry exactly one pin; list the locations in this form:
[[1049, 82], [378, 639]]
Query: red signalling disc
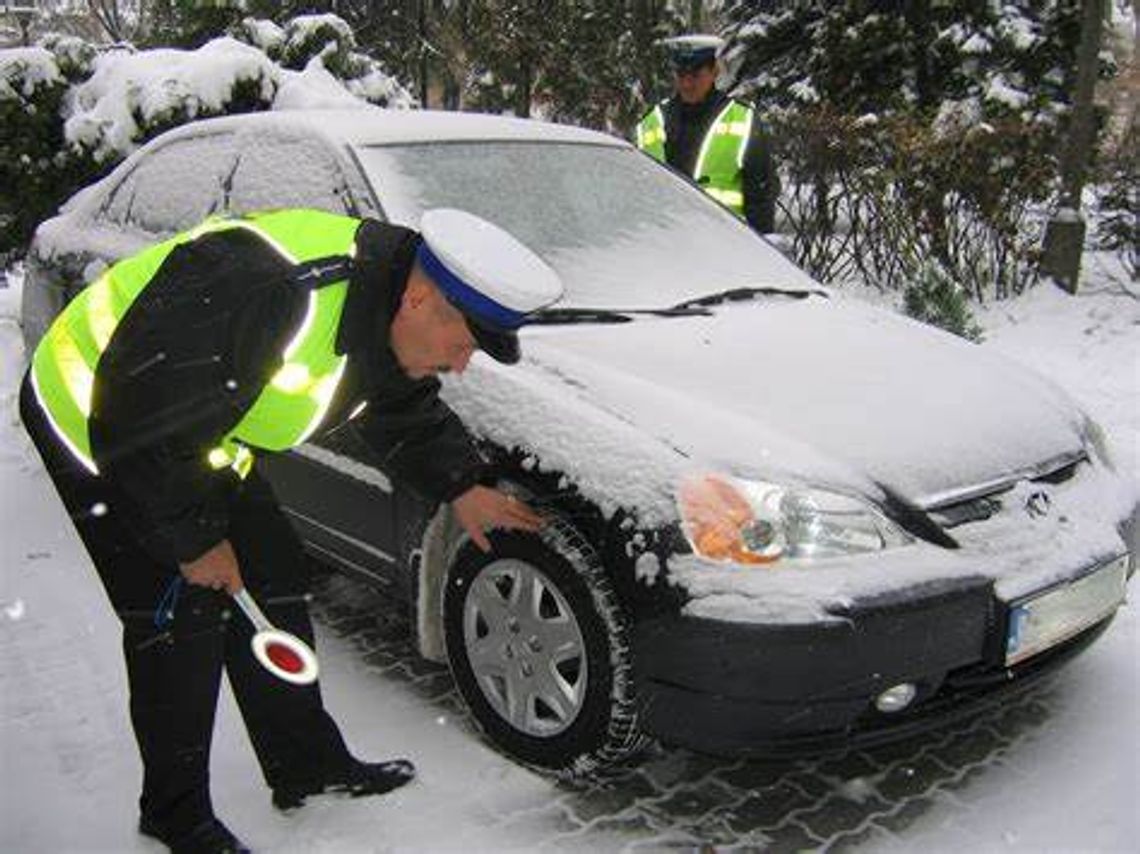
[[284, 657]]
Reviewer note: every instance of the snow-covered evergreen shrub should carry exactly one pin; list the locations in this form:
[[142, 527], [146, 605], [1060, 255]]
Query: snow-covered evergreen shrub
[[935, 298], [38, 170], [264, 35], [881, 56], [132, 96], [330, 41], [327, 36], [74, 57]]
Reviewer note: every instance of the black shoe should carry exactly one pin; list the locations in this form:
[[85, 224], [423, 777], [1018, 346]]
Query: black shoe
[[360, 779], [209, 837]]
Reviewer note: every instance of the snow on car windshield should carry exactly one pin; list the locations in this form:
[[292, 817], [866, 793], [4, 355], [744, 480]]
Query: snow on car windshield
[[621, 230]]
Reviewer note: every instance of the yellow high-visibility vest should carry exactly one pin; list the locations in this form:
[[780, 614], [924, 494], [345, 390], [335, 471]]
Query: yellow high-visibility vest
[[720, 162], [289, 407]]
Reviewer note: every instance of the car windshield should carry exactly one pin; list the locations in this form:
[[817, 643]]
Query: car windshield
[[621, 230]]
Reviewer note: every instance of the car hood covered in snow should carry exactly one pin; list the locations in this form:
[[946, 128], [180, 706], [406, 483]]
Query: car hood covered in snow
[[807, 389]]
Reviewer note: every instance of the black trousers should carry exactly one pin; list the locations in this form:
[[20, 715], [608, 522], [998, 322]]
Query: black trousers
[[174, 669]]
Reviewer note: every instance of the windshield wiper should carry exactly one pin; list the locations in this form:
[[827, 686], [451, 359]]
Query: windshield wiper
[[741, 294], [611, 315]]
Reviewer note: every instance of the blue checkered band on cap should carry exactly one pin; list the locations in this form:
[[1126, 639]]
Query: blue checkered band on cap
[[468, 299]]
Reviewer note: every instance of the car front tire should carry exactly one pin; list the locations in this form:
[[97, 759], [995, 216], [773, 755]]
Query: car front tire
[[538, 646]]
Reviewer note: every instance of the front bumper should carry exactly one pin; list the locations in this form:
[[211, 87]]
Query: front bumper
[[760, 689]]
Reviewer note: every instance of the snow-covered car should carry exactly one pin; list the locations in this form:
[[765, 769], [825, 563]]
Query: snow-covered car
[[780, 519]]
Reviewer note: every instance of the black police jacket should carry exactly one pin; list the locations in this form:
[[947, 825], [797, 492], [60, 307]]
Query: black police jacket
[[202, 340]]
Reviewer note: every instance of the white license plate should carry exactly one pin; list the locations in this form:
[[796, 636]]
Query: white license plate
[[1048, 618]]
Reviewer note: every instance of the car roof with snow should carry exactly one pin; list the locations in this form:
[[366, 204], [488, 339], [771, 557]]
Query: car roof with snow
[[378, 126]]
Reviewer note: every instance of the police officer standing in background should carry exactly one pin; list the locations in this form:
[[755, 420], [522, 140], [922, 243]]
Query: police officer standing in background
[[153, 392], [711, 138]]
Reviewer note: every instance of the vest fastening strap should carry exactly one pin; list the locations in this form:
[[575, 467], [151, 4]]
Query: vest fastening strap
[[323, 271]]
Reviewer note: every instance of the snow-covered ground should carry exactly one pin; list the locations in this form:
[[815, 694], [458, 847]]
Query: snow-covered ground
[[68, 766]]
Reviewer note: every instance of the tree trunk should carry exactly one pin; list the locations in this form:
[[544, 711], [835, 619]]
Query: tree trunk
[[525, 87], [423, 53], [1064, 236]]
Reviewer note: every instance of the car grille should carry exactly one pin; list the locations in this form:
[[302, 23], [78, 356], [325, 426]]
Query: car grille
[[980, 508]]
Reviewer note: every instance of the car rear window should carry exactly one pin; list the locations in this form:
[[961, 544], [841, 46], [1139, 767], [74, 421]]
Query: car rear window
[[620, 229]]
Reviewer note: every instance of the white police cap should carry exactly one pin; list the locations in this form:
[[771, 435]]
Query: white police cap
[[488, 275], [692, 50]]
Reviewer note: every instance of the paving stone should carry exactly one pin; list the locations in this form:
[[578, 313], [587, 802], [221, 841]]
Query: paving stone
[[811, 782], [790, 838], [910, 812], [838, 814], [667, 768], [713, 831], [886, 755], [767, 807], [532, 828], [756, 774], [848, 766], [911, 778], [691, 802], [966, 748], [609, 799], [614, 831], [666, 842], [870, 838], [1019, 720], [961, 787]]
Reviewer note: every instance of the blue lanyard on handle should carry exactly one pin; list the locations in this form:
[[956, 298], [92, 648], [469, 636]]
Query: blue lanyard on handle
[[164, 614]]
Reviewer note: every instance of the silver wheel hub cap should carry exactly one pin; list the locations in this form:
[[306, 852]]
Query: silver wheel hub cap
[[525, 648]]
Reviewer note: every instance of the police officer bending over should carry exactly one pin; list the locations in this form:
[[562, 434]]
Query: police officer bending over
[[711, 138], [158, 385]]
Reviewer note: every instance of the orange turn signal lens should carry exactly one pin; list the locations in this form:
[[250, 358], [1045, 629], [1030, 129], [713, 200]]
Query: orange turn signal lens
[[716, 516]]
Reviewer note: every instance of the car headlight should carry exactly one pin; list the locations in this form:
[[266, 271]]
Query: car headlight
[[756, 522]]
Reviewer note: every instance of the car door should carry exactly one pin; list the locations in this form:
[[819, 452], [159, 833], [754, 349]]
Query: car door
[[340, 504]]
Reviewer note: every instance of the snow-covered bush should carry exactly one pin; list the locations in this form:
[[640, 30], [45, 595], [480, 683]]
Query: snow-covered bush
[[326, 36], [935, 298], [37, 168], [74, 57], [330, 41], [133, 96], [881, 198], [882, 56]]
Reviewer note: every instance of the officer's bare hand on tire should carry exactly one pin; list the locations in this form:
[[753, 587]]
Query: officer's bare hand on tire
[[216, 569], [481, 508]]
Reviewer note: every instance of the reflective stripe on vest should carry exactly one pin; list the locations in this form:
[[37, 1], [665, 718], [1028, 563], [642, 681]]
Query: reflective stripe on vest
[[295, 401], [651, 134], [287, 410], [721, 159]]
